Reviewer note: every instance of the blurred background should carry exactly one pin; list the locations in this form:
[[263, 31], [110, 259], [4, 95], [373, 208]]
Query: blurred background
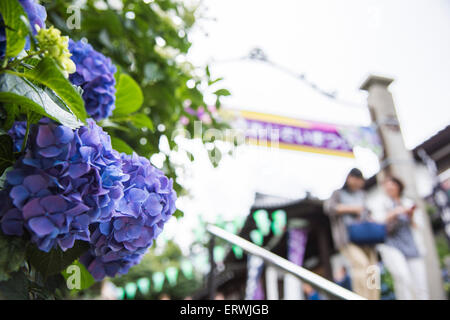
[[370, 76]]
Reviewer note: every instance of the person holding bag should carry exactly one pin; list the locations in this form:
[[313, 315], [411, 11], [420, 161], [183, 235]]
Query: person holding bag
[[400, 253], [350, 223]]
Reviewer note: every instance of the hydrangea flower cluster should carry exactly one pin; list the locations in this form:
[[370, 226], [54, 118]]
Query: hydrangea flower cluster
[[71, 185], [66, 181], [36, 15], [148, 202], [95, 74]]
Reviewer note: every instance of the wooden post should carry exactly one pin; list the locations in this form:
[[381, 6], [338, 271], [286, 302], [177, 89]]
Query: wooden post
[[399, 161]]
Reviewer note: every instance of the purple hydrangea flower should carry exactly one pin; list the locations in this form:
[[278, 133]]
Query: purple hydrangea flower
[[36, 15], [147, 204], [95, 74], [17, 132], [66, 181]]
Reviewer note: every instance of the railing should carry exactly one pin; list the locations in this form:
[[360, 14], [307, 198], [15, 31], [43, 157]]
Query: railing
[[319, 283]]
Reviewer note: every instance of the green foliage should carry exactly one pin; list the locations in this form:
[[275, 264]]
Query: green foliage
[[21, 266], [48, 74], [387, 284], [141, 120], [12, 255], [15, 27], [443, 248], [129, 97], [120, 145], [6, 153], [17, 287], [147, 48], [56, 260], [19, 91]]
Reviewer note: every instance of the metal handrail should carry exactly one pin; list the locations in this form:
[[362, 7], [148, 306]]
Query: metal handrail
[[303, 274]]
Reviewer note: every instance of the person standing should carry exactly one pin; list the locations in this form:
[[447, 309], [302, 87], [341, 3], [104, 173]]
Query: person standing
[[345, 207], [400, 253]]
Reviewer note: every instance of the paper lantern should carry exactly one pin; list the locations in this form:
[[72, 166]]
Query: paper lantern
[[278, 222], [187, 269], [144, 285], [238, 252], [257, 237], [262, 221], [172, 275], [120, 293], [219, 253], [158, 281], [130, 289]]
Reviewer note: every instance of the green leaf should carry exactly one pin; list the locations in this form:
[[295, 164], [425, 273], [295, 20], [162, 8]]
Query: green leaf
[[178, 214], [3, 176], [222, 92], [6, 152], [55, 261], [86, 279], [121, 146], [129, 97], [12, 111], [16, 288], [12, 255], [48, 73], [141, 120], [16, 29], [211, 82], [16, 90]]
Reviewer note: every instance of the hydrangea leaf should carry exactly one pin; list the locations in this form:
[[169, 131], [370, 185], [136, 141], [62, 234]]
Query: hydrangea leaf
[[120, 145], [48, 73], [129, 97], [178, 214], [16, 288], [16, 90], [15, 27], [56, 260], [222, 92], [12, 255], [6, 152], [141, 120]]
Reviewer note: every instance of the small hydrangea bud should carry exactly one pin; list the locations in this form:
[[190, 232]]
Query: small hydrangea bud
[[56, 46]]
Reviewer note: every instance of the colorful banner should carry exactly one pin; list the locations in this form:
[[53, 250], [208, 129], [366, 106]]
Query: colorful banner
[[297, 239], [254, 289], [288, 133], [297, 245]]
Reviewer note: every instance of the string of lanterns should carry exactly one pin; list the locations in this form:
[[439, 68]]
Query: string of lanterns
[[264, 225], [156, 282]]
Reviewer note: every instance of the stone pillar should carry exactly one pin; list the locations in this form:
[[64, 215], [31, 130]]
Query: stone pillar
[[399, 161]]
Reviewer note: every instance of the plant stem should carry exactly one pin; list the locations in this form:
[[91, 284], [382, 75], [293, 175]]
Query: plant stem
[[16, 62], [24, 143]]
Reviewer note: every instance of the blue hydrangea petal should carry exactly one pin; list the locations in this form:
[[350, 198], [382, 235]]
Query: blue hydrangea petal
[[42, 226]]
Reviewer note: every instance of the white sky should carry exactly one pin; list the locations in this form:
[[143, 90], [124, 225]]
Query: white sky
[[336, 44]]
